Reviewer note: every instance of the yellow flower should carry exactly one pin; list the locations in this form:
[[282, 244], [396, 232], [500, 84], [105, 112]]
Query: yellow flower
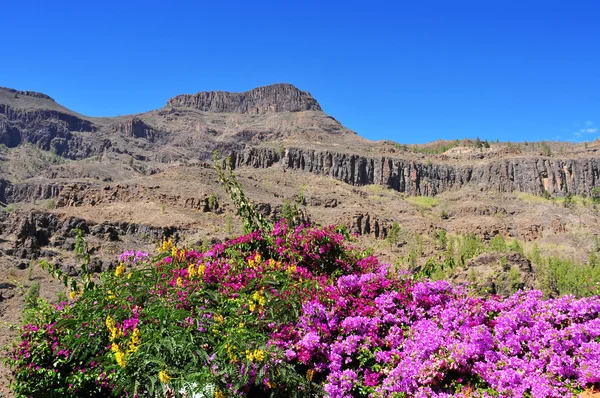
[[182, 254], [120, 270], [191, 270], [309, 374], [165, 246], [256, 355], [180, 281], [129, 275], [219, 318], [135, 341], [271, 384], [110, 324], [174, 253], [252, 306], [111, 295], [259, 355], [218, 393], [72, 295], [291, 269], [163, 376], [257, 258], [120, 357], [230, 352], [201, 269]]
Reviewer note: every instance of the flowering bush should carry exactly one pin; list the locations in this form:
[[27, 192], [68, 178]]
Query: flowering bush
[[300, 312]]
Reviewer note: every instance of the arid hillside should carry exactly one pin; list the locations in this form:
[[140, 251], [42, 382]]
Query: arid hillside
[[128, 182]]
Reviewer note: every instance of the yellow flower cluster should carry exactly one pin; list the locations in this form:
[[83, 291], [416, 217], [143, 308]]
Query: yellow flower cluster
[[73, 294], [218, 393], [230, 352], [115, 332], [219, 318], [165, 246], [291, 269], [257, 300], [255, 356], [119, 356], [179, 281], [134, 343], [254, 261], [309, 374], [272, 264], [120, 270], [163, 376], [191, 270]]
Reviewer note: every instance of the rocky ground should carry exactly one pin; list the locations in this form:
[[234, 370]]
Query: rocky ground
[[130, 181]]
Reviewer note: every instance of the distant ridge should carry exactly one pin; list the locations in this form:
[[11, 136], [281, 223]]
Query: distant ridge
[[34, 94], [261, 100]]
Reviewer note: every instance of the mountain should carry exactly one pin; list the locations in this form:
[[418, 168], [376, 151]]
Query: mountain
[[130, 181]]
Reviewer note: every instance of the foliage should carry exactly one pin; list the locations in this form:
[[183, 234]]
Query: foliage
[[595, 195], [498, 244], [545, 148], [298, 312], [213, 202], [468, 247], [423, 202], [252, 218], [394, 234]]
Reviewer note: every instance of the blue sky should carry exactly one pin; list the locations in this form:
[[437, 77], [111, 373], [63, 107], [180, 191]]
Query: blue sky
[[408, 71]]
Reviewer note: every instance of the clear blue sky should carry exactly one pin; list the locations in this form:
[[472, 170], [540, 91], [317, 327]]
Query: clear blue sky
[[409, 71]]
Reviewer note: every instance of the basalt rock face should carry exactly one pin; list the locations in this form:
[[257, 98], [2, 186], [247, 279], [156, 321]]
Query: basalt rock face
[[261, 100], [31, 232], [135, 127], [532, 175], [49, 130], [28, 192]]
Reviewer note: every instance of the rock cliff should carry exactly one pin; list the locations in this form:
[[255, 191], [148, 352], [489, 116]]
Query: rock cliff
[[261, 100], [521, 174]]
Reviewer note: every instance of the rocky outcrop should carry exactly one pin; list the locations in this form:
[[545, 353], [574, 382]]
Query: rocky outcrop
[[32, 231], [32, 117], [136, 128], [261, 100], [532, 175], [49, 130], [259, 158], [27, 192], [33, 94], [369, 225]]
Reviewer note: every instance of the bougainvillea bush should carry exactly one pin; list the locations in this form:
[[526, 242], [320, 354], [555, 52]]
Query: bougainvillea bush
[[300, 312]]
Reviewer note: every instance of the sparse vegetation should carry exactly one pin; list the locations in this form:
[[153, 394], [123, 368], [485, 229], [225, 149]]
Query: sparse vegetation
[[422, 202], [545, 148]]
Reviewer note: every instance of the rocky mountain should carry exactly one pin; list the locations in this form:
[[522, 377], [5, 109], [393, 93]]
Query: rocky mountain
[[261, 100], [152, 172]]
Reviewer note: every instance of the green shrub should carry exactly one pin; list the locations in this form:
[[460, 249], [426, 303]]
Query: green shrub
[[498, 244], [393, 235], [469, 246]]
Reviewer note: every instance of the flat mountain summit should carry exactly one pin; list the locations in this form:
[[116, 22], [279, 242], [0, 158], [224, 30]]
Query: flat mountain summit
[[268, 99]]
